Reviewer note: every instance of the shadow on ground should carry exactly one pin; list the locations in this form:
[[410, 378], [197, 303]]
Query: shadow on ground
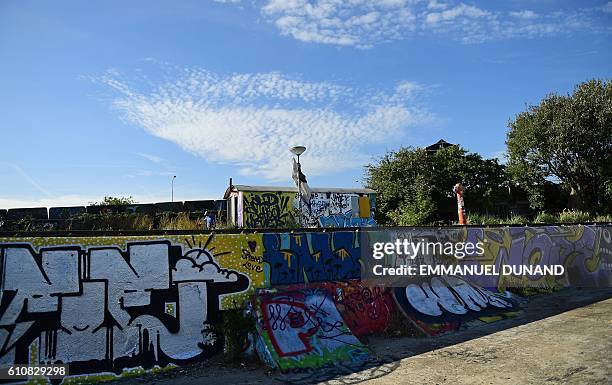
[[387, 351]]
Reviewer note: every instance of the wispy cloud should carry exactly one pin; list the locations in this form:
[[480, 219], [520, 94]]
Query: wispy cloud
[[364, 23], [29, 179], [250, 120], [152, 158]]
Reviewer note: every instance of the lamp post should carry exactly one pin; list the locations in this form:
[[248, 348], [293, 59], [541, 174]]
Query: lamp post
[[173, 178], [299, 150]]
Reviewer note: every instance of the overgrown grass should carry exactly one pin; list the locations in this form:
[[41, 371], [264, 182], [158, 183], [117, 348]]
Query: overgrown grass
[[482, 219], [567, 216], [180, 221]]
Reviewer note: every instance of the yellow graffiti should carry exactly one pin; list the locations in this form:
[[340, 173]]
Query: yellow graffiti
[[343, 253], [287, 256], [298, 240]]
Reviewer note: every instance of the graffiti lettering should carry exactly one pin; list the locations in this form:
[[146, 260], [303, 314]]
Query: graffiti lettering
[[106, 309]]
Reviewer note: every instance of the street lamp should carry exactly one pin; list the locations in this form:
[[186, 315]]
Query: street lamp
[[173, 178], [299, 150]]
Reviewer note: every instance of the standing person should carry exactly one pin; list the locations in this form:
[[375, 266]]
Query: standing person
[[208, 220], [213, 220], [458, 189]]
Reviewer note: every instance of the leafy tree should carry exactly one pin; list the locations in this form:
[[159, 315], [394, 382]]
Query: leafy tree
[[114, 201], [415, 188], [566, 139]]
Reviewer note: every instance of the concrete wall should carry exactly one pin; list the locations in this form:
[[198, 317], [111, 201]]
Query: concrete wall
[[103, 304]]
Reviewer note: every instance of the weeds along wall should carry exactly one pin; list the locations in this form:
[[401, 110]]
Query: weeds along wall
[[107, 303]]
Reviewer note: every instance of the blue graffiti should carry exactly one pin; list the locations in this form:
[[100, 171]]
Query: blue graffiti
[[345, 220], [311, 257]]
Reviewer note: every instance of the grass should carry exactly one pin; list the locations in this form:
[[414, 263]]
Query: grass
[[567, 216]]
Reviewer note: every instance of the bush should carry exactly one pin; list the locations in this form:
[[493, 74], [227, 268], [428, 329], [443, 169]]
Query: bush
[[604, 218], [544, 217], [235, 327], [571, 216]]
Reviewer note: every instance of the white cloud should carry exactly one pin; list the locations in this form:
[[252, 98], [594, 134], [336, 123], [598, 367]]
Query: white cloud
[[29, 179], [607, 8], [250, 120], [352, 23], [461, 10], [525, 14], [152, 158], [433, 4], [362, 23]]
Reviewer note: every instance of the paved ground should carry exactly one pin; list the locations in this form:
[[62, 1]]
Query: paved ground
[[564, 337]]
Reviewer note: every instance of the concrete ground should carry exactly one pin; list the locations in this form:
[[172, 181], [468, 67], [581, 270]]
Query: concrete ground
[[561, 338]]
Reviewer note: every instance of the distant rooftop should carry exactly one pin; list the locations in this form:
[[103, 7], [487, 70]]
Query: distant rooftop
[[440, 144]]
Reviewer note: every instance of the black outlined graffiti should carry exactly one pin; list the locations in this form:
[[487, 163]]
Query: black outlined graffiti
[[105, 309], [267, 209]]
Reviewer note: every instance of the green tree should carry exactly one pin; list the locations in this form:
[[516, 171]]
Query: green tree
[[568, 140], [415, 188], [114, 201]]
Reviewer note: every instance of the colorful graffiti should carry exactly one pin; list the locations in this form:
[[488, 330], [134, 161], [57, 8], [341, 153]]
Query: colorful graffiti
[[303, 329], [365, 309], [447, 301], [584, 251], [312, 257], [104, 308], [275, 209], [106, 303]]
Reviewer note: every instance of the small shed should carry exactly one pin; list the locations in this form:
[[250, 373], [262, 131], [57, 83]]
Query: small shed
[[273, 207]]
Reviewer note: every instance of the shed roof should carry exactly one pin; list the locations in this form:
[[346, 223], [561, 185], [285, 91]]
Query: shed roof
[[244, 187]]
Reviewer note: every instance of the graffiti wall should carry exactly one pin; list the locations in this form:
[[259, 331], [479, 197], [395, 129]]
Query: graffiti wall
[[366, 309], [311, 257], [584, 251], [106, 303], [302, 328], [440, 304], [268, 209], [276, 208], [104, 308]]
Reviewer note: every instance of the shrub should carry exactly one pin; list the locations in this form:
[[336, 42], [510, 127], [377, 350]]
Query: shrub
[[571, 216], [235, 327], [604, 218], [544, 217]]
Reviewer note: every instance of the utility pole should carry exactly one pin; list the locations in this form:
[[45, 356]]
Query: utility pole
[[299, 150], [172, 198]]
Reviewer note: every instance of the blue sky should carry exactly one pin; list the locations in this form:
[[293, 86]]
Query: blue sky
[[114, 97]]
